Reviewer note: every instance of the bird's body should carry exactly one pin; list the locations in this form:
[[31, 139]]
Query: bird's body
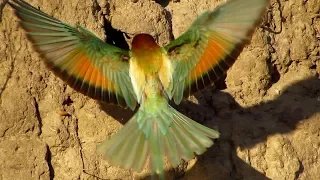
[[150, 68], [148, 75]]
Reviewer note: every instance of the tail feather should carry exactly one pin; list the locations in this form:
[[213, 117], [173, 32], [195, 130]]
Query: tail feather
[[172, 150], [156, 152], [137, 149], [163, 133], [185, 152], [128, 156], [191, 143], [117, 147]]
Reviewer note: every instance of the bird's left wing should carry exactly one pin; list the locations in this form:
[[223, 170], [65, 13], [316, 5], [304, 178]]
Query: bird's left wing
[[90, 66], [210, 46]]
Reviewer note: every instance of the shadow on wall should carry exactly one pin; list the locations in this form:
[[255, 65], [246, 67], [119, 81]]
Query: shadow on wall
[[163, 3], [239, 127]]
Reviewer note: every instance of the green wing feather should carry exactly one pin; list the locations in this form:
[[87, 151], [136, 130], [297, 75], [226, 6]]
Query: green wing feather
[[211, 45], [90, 66]]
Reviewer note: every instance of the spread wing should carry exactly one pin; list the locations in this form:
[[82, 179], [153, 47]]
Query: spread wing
[[211, 45], [90, 66]]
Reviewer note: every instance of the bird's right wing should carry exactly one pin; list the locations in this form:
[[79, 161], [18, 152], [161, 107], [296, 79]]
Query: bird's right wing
[[90, 66], [211, 45]]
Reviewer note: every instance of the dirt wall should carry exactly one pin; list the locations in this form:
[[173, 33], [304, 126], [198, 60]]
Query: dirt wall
[[267, 108]]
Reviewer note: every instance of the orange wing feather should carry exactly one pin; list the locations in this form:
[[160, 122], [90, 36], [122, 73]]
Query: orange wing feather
[[77, 56], [212, 55]]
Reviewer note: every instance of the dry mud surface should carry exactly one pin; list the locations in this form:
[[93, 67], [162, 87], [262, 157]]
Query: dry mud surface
[[267, 108]]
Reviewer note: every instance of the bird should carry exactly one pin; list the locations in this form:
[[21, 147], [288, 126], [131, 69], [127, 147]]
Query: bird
[[146, 77]]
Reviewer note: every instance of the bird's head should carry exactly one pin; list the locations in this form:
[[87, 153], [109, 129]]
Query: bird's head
[[146, 53], [143, 43]]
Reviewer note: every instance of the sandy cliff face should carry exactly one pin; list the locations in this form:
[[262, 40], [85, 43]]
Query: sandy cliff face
[[268, 111]]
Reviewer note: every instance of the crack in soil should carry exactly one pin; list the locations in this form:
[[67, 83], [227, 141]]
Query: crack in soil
[[12, 58], [81, 152], [48, 159], [2, 5], [38, 115], [300, 170], [233, 172]]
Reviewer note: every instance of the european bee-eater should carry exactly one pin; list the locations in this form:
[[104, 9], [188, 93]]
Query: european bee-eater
[[148, 75]]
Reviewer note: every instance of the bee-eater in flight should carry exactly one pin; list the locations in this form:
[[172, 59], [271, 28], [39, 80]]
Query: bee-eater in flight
[[148, 75]]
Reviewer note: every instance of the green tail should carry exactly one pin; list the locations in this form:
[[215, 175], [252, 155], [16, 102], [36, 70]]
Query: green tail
[[156, 133]]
